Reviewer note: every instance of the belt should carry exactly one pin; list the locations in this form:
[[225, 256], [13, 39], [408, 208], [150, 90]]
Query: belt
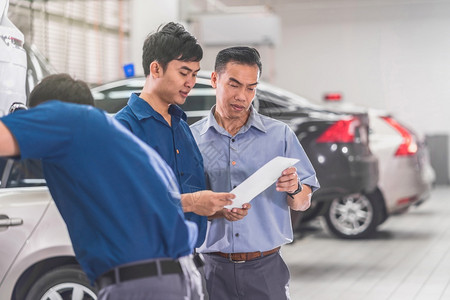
[[245, 256], [137, 271]]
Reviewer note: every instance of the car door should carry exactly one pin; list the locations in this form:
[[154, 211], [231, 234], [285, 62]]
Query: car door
[[23, 200]]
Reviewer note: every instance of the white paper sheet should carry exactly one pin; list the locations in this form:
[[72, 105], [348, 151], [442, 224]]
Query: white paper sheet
[[260, 180]]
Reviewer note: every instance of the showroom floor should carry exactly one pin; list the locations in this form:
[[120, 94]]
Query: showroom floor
[[409, 258]]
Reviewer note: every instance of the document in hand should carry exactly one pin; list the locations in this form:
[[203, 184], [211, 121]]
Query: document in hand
[[260, 180]]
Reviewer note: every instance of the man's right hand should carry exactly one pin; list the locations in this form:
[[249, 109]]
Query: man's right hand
[[205, 203]]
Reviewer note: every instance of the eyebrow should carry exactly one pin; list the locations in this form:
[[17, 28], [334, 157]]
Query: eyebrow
[[238, 82], [189, 69]]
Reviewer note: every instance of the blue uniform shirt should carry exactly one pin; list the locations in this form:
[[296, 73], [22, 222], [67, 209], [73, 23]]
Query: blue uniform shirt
[[175, 144], [229, 160], [117, 196]]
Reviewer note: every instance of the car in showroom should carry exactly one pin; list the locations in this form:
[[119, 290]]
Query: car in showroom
[[337, 144], [37, 261], [36, 257], [406, 175]]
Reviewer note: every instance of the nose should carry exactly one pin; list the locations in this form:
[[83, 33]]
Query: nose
[[190, 82], [240, 95]]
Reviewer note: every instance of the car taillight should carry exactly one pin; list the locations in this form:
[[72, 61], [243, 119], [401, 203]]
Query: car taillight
[[407, 200], [409, 145], [343, 131]]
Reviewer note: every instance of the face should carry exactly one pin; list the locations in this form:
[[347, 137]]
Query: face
[[175, 83], [235, 89]]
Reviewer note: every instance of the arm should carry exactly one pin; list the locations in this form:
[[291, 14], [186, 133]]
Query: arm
[[288, 182], [8, 144], [205, 203]]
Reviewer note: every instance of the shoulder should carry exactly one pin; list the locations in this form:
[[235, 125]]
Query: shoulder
[[126, 117], [65, 113], [272, 124], [125, 113]]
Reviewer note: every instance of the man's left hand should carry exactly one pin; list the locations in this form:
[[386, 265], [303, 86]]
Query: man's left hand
[[288, 181], [236, 214]]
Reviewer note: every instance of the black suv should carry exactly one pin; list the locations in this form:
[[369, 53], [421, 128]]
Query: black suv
[[336, 143]]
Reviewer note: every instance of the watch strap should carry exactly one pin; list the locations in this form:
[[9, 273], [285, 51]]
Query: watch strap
[[298, 190]]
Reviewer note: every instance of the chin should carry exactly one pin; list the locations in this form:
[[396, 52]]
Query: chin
[[180, 102]]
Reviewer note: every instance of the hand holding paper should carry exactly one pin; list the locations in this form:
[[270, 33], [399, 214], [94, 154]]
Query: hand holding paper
[[260, 180], [236, 214]]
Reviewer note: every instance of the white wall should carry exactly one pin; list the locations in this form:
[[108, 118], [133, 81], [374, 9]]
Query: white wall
[[387, 54], [393, 55], [145, 17]]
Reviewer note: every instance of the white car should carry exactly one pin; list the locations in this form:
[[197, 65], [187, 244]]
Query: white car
[[13, 62], [405, 176], [37, 261], [36, 256]]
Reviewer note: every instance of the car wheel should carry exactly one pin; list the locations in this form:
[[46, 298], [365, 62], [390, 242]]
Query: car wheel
[[66, 283], [354, 216]]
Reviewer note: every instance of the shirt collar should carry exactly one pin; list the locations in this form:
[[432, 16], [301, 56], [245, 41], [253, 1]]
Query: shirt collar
[[254, 120], [143, 110]]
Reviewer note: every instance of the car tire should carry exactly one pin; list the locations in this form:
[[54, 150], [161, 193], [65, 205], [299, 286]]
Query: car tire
[[68, 282], [354, 216]]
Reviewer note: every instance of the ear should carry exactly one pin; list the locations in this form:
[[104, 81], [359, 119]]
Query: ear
[[155, 69], [214, 80]]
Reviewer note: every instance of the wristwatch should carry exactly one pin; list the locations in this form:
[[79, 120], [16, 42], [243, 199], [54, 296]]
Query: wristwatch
[[298, 190]]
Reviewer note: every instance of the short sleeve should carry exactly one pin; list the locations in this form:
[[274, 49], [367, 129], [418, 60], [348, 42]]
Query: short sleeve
[[43, 132]]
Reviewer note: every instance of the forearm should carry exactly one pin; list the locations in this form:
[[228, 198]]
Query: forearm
[[302, 200], [187, 202], [205, 203]]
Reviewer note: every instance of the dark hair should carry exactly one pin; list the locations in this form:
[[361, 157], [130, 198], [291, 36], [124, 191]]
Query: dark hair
[[61, 87], [242, 55], [168, 43]]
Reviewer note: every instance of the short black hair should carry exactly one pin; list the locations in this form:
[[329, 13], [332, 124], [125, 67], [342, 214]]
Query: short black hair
[[61, 87], [170, 42], [242, 55]]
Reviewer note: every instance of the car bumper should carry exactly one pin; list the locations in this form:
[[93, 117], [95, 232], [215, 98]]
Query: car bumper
[[345, 174]]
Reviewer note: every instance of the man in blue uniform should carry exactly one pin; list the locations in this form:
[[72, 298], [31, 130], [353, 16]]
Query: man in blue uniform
[[242, 258], [119, 199], [171, 59]]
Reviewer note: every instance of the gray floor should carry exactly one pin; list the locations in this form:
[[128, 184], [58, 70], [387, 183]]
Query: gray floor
[[409, 258]]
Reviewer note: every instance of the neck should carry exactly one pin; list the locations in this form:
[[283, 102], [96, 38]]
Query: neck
[[231, 125], [157, 104]]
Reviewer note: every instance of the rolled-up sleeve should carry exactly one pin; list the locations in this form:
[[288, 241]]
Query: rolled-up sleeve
[[305, 170]]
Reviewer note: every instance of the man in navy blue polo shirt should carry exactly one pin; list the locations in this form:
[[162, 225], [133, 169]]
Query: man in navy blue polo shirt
[[171, 59], [119, 199]]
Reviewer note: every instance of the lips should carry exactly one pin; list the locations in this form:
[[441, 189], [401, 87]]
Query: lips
[[237, 107], [184, 94]]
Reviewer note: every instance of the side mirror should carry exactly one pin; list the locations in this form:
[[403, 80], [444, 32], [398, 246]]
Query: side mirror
[[17, 106]]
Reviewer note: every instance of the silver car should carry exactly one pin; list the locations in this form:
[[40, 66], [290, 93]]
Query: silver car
[[36, 256], [405, 177]]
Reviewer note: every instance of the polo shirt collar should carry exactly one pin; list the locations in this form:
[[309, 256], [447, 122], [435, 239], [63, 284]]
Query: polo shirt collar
[[143, 110], [254, 120]]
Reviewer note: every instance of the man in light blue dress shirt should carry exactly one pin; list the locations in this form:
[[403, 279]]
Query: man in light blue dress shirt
[[242, 257]]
